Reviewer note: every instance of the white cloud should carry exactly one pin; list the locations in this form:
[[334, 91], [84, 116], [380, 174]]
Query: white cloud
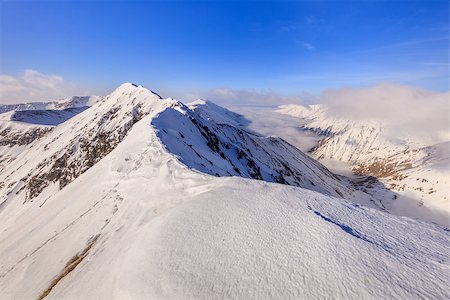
[[33, 86], [311, 20], [288, 27], [41, 81], [306, 45], [404, 109], [251, 97]]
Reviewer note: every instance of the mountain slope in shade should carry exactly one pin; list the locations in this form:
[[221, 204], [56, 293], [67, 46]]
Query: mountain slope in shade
[[140, 224], [224, 150], [220, 115], [47, 117], [410, 167], [71, 102]]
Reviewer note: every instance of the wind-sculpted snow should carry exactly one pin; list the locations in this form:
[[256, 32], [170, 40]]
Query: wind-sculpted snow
[[141, 225], [283, 244]]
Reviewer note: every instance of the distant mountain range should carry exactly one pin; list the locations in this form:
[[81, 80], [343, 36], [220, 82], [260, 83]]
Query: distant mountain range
[[407, 165]]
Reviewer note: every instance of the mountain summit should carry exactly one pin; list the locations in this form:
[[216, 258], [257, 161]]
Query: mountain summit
[[142, 197]]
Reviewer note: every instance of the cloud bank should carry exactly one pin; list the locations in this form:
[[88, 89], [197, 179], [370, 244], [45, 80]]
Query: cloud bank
[[405, 110], [251, 97], [31, 86]]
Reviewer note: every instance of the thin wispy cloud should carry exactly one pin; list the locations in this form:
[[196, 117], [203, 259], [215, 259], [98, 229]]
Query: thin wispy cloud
[[434, 63], [403, 44], [306, 45], [251, 96], [288, 27], [311, 20], [360, 77], [336, 37]]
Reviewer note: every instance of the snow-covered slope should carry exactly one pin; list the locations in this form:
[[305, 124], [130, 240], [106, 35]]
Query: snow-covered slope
[[21, 124], [42, 117], [346, 140], [405, 165], [220, 115], [140, 224], [71, 148], [71, 102], [18, 129]]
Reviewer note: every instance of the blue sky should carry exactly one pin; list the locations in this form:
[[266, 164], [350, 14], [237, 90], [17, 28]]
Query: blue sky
[[188, 47]]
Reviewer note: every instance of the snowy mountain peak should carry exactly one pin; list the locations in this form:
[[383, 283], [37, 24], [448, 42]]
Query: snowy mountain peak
[[200, 101], [211, 111], [119, 201], [55, 158], [132, 89], [204, 137]]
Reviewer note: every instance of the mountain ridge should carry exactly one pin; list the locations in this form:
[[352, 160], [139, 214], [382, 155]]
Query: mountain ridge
[[139, 222]]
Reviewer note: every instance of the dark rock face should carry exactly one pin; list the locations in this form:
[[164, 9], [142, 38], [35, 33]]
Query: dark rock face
[[216, 145], [65, 169], [225, 150], [9, 138], [81, 154]]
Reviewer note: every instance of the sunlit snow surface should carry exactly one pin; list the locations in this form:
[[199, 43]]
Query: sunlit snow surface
[[161, 230]]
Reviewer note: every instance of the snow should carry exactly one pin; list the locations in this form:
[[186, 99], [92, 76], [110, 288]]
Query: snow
[[405, 165], [168, 232], [80, 141], [42, 117], [284, 243], [239, 153], [151, 227], [211, 111], [21, 124], [71, 102]]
